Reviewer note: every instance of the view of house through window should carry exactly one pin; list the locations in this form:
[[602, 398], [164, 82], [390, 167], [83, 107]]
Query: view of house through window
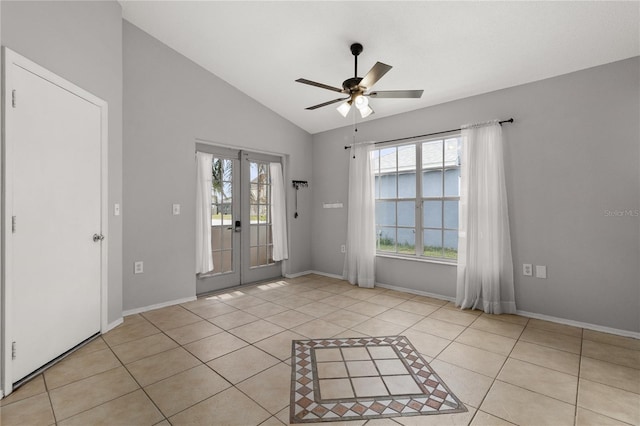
[[417, 191]]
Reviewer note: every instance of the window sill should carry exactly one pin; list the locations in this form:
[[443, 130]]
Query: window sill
[[417, 259]]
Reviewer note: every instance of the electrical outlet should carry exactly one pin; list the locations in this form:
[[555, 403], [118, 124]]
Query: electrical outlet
[[343, 249], [541, 271], [527, 269], [176, 209], [138, 267]]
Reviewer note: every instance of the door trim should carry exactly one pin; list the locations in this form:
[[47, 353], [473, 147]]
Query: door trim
[[11, 59]]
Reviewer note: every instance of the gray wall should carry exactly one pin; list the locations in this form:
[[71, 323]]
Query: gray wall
[[81, 42], [572, 154], [169, 102]]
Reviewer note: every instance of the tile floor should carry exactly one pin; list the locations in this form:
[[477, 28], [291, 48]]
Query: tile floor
[[225, 359]]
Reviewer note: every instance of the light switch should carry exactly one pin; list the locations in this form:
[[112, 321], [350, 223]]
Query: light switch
[[176, 209], [116, 209]]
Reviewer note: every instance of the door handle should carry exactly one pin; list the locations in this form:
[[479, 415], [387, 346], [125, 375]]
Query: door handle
[[97, 237], [238, 228]]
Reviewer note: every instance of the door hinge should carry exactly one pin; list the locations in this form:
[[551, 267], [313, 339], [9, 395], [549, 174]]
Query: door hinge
[[13, 350], [13, 224], [13, 98]]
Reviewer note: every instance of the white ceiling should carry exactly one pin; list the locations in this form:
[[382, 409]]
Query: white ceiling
[[452, 50]]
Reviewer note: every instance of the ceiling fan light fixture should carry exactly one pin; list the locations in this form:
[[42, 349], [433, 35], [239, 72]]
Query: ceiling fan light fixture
[[365, 111], [361, 102], [344, 108]]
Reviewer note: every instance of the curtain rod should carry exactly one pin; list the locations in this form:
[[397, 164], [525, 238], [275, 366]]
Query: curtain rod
[[510, 120]]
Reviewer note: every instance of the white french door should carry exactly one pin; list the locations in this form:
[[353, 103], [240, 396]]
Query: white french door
[[241, 239], [53, 226]]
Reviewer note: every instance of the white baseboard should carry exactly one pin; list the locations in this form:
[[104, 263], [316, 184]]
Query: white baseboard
[[113, 325], [158, 306], [324, 274], [416, 292], [594, 327]]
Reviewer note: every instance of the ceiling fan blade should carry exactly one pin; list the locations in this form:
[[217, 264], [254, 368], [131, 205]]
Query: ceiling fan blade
[[327, 103], [397, 94], [375, 73], [320, 85]]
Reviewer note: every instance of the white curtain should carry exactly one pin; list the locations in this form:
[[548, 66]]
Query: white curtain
[[278, 213], [204, 259], [485, 266], [359, 266]]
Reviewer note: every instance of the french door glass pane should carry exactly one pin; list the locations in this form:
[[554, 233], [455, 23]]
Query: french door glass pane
[[222, 175], [260, 244]]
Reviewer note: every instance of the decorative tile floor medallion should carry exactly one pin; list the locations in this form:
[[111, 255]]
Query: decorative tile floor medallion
[[364, 378]]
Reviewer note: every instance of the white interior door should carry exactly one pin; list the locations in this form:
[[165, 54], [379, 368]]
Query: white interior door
[[53, 177]]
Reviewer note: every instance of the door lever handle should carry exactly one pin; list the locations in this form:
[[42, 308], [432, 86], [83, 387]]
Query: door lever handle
[[97, 237]]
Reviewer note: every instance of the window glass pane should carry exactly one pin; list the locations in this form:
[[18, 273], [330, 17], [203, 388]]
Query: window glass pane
[[432, 214], [262, 218], [406, 213], [432, 154], [253, 171], [406, 158], [216, 241], [226, 261], [253, 252], [262, 255], [375, 160], [217, 261], [451, 152], [451, 214], [253, 213], [253, 195], [376, 188], [216, 215], [432, 241], [253, 235], [451, 244], [407, 185], [270, 254], [227, 194], [387, 239], [388, 186], [406, 241], [432, 183], [385, 213], [262, 235], [269, 236], [227, 237], [452, 182], [388, 160]]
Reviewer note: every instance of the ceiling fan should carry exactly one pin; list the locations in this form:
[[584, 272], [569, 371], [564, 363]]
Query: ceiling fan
[[358, 88]]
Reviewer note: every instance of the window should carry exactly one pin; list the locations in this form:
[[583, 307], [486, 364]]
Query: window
[[417, 191]]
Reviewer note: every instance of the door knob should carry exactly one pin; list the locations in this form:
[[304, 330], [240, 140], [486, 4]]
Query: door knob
[[97, 237]]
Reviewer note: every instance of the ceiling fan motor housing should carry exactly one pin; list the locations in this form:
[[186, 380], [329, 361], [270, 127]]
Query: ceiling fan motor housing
[[351, 85]]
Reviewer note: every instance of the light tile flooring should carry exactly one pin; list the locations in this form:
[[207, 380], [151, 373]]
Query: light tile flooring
[[226, 360]]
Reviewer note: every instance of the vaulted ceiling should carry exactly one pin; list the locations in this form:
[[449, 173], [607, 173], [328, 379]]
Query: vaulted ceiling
[[452, 50]]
